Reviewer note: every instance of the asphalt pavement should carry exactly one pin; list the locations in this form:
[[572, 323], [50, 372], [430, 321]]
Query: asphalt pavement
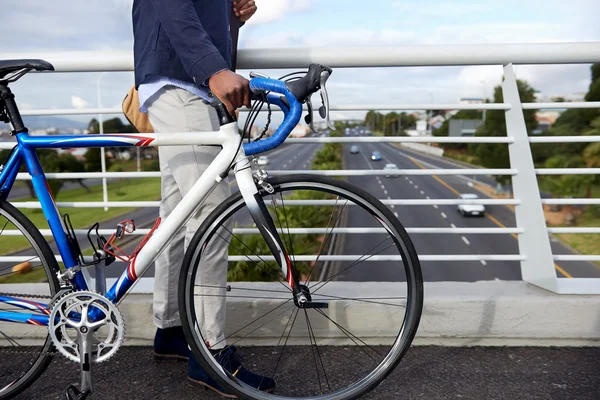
[[426, 373]]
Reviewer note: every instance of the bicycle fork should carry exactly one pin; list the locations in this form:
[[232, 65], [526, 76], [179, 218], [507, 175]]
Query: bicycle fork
[[247, 183]]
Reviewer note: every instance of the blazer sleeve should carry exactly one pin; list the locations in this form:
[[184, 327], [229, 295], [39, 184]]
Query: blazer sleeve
[[193, 45]]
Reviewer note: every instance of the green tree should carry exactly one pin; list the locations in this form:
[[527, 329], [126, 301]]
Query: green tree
[[67, 162], [496, 155]]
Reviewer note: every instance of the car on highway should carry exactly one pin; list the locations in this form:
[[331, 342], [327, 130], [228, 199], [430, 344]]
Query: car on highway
[[475, 210], [354, 150], [390, 168], [376, 156], [262, 160]]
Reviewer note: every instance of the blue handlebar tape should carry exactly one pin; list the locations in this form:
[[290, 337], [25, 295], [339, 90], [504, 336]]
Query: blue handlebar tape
[[291, 118]]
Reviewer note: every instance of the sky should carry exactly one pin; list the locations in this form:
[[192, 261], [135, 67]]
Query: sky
[[32, 26]]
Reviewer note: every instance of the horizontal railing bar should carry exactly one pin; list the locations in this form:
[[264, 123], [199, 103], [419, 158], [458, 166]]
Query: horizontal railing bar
[[571, 201], [404, 139], [567, 171], [304, 231], [150, 204], [565, 139], [349, 57], [561, 105], [345, 172], [426, 257], [573, 230], [430, 171], [301, 231], [346, 107], [573, 257], [92, 175]]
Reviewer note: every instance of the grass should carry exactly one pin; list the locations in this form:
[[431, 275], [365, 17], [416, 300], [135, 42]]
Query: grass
[[584, 243], [462, 156], [139, 189]]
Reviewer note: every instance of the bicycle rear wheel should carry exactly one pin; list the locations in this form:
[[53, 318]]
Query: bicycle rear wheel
[[28, 274], [351, 253]]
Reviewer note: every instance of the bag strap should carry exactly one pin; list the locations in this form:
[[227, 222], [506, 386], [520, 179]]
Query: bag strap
[[234, 30]]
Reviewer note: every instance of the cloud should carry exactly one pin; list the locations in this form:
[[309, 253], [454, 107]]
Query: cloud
[[272, 10], [78, 102]]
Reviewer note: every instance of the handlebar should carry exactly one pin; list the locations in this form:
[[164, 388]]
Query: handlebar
[[295, 93]]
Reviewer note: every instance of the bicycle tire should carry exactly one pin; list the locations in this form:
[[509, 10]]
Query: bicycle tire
[[50, 268], [215, 221]]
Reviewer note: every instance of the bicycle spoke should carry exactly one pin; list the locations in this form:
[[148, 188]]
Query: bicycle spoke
[[22, 262], [4, 227], [260, 326], [229, 287], [269, 270], [313, 351], [327, 238], [357, 262], [255, 320], [10, 340], [365, 300], [351, 336], [286, 339], [314, 339]]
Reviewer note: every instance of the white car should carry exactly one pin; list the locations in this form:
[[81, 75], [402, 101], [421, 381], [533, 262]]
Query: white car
[[262, 160], [390, 168], [476, 210]]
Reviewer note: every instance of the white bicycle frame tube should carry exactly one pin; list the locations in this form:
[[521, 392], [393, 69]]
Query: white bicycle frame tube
[[229, 138]]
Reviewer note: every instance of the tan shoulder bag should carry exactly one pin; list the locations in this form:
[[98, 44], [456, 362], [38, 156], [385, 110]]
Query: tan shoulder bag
[[131, 109]]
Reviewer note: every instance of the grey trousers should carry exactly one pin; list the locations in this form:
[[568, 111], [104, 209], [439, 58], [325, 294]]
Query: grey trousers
[[177, 110]]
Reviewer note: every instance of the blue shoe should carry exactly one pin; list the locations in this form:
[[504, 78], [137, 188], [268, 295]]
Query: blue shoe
[[231, 362], [170, 345]]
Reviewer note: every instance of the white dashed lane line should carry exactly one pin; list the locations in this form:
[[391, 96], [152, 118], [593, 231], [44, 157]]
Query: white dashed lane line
[[385, 191], [411, 182], [464, 239], [396, 214], [428, 198], [416, 186], [483, 262], [453, 226], [444, 215], [383, 187], [422, 192], [435, 206]]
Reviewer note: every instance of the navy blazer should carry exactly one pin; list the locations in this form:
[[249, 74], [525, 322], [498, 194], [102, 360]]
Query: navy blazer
[[187, 40]]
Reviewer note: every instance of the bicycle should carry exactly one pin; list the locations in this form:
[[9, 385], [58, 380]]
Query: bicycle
[[363, 297]]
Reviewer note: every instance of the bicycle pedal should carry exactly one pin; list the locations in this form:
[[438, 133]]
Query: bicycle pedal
[[73, 393]]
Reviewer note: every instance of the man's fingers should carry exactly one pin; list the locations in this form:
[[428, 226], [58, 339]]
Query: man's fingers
[[248, 11], [241, 4], [230, 108], [247, 102]]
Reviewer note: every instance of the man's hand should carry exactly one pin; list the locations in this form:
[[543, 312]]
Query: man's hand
[[232, 89], [244, 9]]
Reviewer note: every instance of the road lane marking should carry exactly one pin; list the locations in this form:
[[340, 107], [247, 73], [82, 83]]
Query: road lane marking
[[304, 166], [406, 177], [491, 218], [464, 239], [422, 192], [391, 205], [383, 187], [384, 191], [428, 198], [435, 206], [444, 215], [483, 262], [416, 186], [453, 226], [411, 182], [396, 214]]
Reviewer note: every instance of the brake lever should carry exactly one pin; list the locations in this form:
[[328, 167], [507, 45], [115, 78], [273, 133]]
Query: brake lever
[[309, 116], [324, 109]]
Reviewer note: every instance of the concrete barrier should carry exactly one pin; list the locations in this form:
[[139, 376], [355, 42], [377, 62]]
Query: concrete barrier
[[495, 313], [424, 148]]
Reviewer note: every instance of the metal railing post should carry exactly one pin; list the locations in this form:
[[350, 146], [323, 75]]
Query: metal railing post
[[534, 243]]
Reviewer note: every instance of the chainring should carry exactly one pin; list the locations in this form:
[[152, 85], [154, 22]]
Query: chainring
[[69, 318]]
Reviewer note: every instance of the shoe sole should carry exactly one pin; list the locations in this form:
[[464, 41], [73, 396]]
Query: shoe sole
[[195, 383], [169, 358]]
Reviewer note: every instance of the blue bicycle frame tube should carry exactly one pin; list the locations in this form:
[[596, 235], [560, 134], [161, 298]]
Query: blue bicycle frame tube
[[9, 172], [25, 318]]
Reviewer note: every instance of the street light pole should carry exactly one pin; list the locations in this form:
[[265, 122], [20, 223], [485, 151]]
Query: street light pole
[[101, 131]]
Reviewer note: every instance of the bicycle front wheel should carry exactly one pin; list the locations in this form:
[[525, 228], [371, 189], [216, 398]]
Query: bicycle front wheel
[[27, 273], [357, 265]]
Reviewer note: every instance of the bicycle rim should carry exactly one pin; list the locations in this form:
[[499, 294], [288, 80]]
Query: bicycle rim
[[352, 255], [28, 274]]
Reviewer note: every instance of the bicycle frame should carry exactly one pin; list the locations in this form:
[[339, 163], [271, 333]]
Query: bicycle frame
[[227, 137]]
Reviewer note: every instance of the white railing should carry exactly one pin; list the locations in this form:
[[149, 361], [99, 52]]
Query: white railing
[[536, 258]]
